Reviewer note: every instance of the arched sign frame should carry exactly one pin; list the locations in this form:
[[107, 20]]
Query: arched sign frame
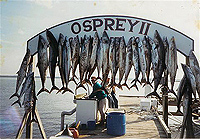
[[116, 26]]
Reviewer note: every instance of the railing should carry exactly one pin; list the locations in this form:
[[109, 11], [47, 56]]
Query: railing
[[63, 117]]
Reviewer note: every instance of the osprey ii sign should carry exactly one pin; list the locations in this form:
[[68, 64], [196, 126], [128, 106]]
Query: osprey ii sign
[[115, 26]]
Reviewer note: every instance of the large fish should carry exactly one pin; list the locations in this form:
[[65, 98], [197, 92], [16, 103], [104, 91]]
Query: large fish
[[93, 57], [26, 83], [28, 96], [53, 54], [105, 65], [166, 71], [180, 92], [43, 62], [112, 61], [172, 63], [190, 76], [66, 63], [89, 67], [187, 118], [147, 52], [194, 65], [75, 56], [21, 74], [122, 60], [83, 63], [117, 46], [136, 62], [99, 58], [129, 62], [161, 62], [60, 60], [197, 79], [142, 60]]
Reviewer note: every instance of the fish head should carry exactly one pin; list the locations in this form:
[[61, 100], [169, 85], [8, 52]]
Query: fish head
[[130, 41], [157, 37], [165, 42], [105, 38], [96, 36]]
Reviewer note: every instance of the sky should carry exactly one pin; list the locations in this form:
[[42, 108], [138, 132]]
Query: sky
[[21, 20]]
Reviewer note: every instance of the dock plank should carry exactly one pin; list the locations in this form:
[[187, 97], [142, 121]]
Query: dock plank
[[136, 127]]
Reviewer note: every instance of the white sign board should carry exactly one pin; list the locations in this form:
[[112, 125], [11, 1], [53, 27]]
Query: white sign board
[[116, 26]]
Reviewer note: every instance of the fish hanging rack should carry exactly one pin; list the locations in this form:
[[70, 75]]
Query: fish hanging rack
[[113, 26]]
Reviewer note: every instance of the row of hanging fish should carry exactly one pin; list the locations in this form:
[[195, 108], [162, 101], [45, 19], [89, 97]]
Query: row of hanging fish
[[107, 55]]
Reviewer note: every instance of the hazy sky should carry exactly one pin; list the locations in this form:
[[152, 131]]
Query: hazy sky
[[20, 20]]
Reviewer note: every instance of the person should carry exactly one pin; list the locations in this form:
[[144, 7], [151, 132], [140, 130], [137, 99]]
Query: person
[[114, 96], [101, 97]]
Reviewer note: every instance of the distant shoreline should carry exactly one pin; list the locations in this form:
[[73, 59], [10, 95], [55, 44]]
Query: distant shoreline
[[15, 76]]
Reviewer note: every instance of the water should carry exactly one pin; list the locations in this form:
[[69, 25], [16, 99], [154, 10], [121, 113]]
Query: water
[[49, 106]]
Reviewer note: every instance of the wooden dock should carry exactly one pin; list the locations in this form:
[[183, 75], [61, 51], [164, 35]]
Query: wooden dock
[[137, 125]]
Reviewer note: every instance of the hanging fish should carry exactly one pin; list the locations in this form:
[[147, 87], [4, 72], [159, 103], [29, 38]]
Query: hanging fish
[[136, 62], [190, 76], [112, 61], [21, 74], [53, 54], [93, 57], [66, 64], [172, 63], [60, 61], [147, 52], [142, 60], [105, 65], [129, 63], [194, 65], [83, 60], [122, 60], [27, 82], [159, 69], [43, 62], [75, 57]]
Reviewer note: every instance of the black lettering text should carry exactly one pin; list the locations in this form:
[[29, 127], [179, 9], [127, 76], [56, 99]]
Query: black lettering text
[[97, 23], [79, 28], [119, 25], [109, 24], [87, 27], [132, 24]]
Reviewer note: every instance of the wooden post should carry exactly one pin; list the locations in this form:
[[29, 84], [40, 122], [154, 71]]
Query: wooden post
[[29, 127], [165, 105], [41, 128], [165, 99]]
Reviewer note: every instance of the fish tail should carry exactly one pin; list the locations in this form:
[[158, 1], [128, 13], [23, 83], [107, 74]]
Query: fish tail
[[134, 85], [18, 101], [63, 88], [143, 80], [72, 79], [179, 111], [54, 88], [99, 78], [148, 84], [15, 94], [153, 94], [125, 84], [172, 91], [81, 85], [88, 81], [67, 89], [134, 80], [43, 90], [120, 86]]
